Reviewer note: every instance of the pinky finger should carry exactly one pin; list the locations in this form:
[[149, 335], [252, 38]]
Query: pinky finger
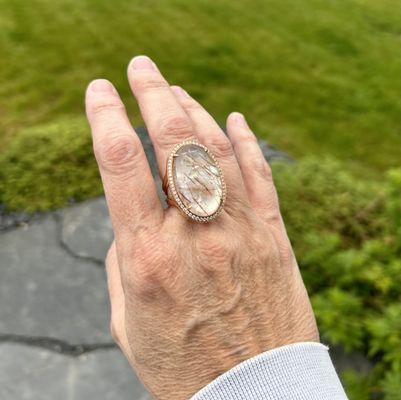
[[255, 170]]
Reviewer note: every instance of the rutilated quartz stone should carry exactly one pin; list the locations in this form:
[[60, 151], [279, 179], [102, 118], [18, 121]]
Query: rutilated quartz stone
[[197, 180]]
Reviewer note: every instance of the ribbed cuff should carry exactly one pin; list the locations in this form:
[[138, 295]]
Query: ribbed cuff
[[301, 371]]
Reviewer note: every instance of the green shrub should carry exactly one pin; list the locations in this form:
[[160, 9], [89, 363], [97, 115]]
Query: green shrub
[[392, 383], [47, 166], [358, 387], [346, 233], [331, 305]]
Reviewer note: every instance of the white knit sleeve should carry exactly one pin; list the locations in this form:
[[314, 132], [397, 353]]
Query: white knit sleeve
[[301, 371]]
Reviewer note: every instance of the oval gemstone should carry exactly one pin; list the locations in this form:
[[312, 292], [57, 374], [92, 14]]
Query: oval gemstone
[[197, 180]]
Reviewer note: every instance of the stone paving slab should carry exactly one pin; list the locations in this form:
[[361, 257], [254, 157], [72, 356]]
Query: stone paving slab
[[86, 229], [30, 373], [45, 291]]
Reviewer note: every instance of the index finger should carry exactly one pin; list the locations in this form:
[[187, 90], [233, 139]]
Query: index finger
[[128, 183]]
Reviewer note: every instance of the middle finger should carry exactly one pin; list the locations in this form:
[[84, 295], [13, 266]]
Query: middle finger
[[167, 122]]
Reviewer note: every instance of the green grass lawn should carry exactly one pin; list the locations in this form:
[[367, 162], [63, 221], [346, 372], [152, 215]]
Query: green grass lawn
[[313, 77]]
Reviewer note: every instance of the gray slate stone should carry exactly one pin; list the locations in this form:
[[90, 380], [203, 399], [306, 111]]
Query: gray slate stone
[[45, 291], [29, 373], [87, 229]]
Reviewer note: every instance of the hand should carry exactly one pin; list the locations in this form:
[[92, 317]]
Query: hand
[[191, 300]]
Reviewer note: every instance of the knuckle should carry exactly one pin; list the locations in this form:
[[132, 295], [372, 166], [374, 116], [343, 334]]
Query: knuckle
[[149, 81], [269, 213], [143, 283], [221, 146], [191, 105], [250, 136], [272, 214], [118, 152], [106, 104], [154, 269], [261, 167], [268, 209], [256, 163], [148, 261], [174, 129], [145, 272], [247, 138], [284, 248], [268, 173], [262, 248], [245, 142], [155, 264]]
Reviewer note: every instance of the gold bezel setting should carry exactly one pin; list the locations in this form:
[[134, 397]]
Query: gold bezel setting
[[171, 190]]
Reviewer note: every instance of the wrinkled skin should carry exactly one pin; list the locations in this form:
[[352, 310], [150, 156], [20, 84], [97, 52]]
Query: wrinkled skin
[[191, 300]]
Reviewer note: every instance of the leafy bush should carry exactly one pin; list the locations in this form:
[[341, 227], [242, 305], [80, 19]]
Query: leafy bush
[[346, 234], [358, 387]]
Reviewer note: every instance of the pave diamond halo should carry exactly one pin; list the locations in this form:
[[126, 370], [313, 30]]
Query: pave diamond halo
[[194, 182]]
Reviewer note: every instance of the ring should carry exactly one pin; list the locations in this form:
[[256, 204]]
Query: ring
[[194, 182]]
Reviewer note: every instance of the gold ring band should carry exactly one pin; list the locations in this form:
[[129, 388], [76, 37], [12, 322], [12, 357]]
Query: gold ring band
[[194, 182]]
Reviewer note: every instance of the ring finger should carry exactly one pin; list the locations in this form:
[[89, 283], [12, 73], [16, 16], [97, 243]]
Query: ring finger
[[210, 134]]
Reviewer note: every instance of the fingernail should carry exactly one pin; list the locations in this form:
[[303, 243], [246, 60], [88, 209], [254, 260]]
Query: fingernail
[[180, 92], [102, 85], [185, 93], [143, 62], [240, 119]]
